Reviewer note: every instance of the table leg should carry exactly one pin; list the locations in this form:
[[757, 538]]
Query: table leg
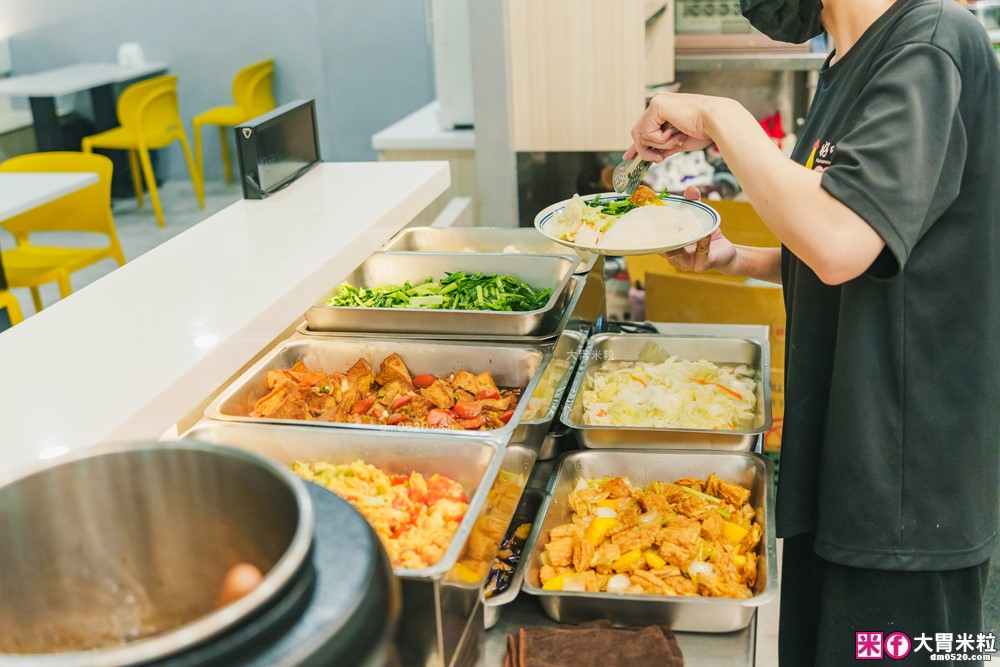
[[48, 136], [4, 314], [3, 276], [102, 100]]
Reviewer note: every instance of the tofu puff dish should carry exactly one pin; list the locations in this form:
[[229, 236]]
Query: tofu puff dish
[[689, 537], [391, 397]]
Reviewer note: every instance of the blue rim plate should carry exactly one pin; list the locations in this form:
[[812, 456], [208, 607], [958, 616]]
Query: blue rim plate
[[706, 215]]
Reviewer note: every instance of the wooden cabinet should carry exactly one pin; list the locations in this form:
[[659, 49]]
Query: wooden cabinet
[[578, 70]]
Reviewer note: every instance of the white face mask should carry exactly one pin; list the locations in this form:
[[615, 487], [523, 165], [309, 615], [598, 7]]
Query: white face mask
[[794, 21]]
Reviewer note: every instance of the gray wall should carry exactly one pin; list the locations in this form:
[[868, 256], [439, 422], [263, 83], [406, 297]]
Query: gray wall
[[367, 64]]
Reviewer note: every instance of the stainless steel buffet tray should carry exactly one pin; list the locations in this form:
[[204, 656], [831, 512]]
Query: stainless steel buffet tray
[[681, 613], [531, 433], [526, 240], [511, 366], [440, 601], [565, 306], [601, 348], [385, 268]]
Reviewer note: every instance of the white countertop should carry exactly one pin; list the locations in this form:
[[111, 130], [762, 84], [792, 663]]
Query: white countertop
[[20, 192], [421, 131], [128, 356], [74, 79]]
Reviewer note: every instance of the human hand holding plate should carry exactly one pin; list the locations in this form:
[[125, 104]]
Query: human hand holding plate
[[714, 251]]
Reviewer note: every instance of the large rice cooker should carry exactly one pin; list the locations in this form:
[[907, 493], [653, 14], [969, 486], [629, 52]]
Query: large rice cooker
[[115, 556]]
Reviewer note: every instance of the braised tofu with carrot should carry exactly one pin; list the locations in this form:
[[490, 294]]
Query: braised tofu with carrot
[[686, 537], [390, 397]]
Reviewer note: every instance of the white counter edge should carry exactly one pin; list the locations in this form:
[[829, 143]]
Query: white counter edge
[[127, 356]]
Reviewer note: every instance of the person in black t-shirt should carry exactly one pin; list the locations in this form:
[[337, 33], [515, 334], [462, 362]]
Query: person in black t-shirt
[[889, 216]]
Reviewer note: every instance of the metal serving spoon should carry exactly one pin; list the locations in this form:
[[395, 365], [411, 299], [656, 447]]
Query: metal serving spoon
[[628, 175]]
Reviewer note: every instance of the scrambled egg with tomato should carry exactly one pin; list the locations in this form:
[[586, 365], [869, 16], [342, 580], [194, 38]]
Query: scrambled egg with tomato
[[415, 518], [688, 537]]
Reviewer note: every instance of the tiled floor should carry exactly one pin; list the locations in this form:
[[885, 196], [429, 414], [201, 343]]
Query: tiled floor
[[137, 230]]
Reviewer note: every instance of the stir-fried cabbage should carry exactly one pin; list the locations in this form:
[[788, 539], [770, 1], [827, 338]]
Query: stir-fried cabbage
[[675, 393], [545, 390], [582, 224]]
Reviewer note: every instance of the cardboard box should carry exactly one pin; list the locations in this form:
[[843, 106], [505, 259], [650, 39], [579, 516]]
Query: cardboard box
[[772, 438]]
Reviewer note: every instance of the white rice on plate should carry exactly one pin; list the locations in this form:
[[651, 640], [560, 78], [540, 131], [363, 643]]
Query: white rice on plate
[[652, 227]]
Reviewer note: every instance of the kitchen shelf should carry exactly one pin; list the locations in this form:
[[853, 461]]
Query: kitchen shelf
[[785, 62]]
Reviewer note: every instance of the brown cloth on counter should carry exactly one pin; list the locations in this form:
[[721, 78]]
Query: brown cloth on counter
[[595, 643]]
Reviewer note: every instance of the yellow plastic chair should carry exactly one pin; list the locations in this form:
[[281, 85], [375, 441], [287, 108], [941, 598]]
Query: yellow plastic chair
[[9, 301], [150, 120], [86, 211], [253, 94]]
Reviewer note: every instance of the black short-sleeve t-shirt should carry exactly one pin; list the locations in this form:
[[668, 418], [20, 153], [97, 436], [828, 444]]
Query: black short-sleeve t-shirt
[[891, 438]]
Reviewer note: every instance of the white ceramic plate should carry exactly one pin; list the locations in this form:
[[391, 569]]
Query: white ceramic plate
[[705, 215]]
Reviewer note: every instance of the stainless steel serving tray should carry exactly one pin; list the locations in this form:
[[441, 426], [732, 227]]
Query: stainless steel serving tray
[[682, 613], [530, 506], [753, 352], [558, 440], [531, 433], [566, 305], [395, 268], [439, 601], [484, 239], [511, 366]]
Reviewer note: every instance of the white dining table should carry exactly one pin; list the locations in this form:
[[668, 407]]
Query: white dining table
[[100, 78], [22, 192]]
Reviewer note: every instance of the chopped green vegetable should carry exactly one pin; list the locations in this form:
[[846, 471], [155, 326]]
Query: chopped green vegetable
[[693, 492], [457, 291], [617, 206]]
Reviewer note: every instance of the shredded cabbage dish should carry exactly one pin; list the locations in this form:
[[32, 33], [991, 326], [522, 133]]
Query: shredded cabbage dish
[[674, 393]]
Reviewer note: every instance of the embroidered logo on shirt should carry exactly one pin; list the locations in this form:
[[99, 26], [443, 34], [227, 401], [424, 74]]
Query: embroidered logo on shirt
[[821, 156]]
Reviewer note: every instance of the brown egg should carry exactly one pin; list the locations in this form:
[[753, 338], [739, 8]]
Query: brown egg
[[239, 580]]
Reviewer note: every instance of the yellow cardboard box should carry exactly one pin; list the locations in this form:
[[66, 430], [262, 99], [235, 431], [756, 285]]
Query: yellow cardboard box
[[772, 439]]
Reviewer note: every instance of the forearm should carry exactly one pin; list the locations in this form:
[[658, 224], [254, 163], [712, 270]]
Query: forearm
[[758, 263], [824, 233]]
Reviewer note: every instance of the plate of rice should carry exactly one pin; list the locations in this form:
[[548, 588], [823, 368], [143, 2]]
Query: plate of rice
[[615, 224]]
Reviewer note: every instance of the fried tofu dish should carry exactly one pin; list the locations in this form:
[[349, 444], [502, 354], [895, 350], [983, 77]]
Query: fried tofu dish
[[687, 537], [390, 397]]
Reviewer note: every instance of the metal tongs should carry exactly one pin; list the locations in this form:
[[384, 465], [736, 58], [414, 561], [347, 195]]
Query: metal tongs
[[628, 175]]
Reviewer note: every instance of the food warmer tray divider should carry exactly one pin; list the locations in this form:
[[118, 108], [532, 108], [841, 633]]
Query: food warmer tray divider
[[484, 240], [510, 365], [719, 347], [682, 613], [395, 268], [532, 433], [440, 602], [530, 506]]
